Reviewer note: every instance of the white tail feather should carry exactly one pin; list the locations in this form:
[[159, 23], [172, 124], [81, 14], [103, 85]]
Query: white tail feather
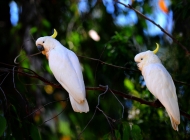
[[79, 107], [173, 122]]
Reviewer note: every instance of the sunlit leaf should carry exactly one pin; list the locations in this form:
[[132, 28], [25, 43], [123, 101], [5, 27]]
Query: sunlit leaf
[[64, 128], [128, 84]]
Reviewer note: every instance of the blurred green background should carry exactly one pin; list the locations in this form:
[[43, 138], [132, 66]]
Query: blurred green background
[[100, 29]]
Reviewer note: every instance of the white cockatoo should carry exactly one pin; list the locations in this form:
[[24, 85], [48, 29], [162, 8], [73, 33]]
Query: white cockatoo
[[159, 83], [66, 68]]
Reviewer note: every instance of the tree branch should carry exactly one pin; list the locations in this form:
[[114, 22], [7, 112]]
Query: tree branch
[[33, 74], [124, 68], [130, 97], [174, 39]]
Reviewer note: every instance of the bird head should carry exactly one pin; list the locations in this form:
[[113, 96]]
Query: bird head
[[47, 43], [145, 58]]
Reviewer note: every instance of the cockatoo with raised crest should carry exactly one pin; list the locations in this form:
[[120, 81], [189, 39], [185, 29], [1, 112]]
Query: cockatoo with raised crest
[[159, 83], [66, 68]]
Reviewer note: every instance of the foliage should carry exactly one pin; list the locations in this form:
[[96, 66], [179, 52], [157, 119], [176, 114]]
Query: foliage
[[22, 86]]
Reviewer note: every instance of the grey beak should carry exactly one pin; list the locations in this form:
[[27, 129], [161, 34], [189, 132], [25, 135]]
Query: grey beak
[[40, 47]]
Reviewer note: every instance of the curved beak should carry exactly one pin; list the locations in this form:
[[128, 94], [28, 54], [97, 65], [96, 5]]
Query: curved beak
[[40, 47]]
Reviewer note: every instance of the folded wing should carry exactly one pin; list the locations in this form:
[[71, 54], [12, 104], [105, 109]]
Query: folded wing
[[160, 84], [67, 72]]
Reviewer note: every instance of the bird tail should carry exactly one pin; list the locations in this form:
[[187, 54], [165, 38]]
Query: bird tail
[[79, 107], [174, 122]]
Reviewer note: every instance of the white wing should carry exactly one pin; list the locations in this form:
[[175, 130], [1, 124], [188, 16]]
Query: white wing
[[160, 84], [65, 73], [76, 64]]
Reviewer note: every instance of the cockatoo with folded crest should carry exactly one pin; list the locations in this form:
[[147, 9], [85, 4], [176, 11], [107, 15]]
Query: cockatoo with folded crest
[[159, 83], [66, 68]]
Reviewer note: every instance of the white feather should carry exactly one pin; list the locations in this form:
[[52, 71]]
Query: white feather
[[160, 84], [66, 68]]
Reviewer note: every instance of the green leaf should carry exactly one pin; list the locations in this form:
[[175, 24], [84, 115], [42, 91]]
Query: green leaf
[[3, 125], [35, 133], [139, 39], [136, 132], [33, 30], [126, 131], [46, 23], [117, 135], [106, 137], [128, 84]]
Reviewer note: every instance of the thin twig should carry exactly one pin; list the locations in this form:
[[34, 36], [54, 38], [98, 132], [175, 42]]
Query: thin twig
[[15, 60], [106, 89], [102, 62], [107, 118], [2, 89], [15, 85], [43, 107], [118, 101], [51, 118]]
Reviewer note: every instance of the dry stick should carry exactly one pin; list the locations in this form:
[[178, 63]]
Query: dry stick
[[44, 107], [52, 117], [174, 39]]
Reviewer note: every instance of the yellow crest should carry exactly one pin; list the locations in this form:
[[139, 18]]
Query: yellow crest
[[54, 34], [157, 48]]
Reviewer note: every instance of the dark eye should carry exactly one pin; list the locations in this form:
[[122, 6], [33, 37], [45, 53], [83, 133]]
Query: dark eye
[[141, 58], [43, 41]]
